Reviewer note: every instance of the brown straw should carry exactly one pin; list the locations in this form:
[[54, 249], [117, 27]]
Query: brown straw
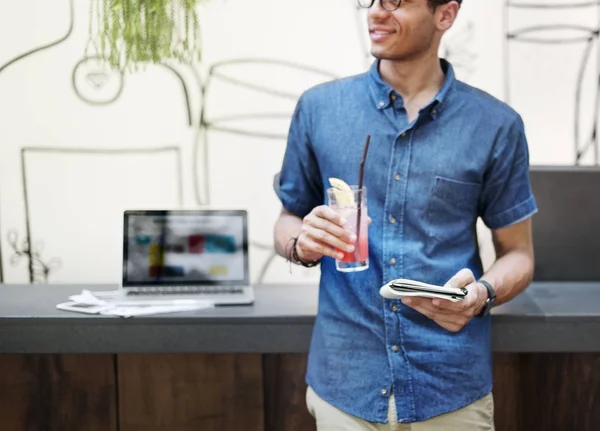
[[360, 185]]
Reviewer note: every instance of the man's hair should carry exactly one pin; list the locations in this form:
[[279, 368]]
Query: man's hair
[[436, 3]]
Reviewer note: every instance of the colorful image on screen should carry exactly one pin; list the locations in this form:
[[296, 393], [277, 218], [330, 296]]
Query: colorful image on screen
[[185, 248]]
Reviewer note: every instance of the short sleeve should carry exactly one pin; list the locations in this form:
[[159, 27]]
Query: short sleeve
[[507, 197], [298, 185]]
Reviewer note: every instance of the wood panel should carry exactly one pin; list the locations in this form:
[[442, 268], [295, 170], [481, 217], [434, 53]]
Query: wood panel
[[285, 393], [190, 392], [508, 403], [253, 392], [531, 392], [561, 391], [57, 392]]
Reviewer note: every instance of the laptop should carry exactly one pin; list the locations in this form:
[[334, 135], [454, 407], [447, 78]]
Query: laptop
[[566, 229], [197, 254]]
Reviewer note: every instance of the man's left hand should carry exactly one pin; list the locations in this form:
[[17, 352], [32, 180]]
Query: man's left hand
[[453, 316]]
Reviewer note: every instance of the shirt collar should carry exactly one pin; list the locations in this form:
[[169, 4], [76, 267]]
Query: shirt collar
[[382, 92]]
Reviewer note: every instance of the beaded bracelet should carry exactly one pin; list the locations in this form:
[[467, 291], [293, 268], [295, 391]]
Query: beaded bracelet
[[296, 259]]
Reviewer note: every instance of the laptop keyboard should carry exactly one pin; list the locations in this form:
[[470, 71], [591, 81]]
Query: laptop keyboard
[[184, 290]]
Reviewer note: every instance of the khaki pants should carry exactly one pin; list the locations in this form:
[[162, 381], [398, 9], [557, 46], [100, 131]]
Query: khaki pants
[[474, 417]]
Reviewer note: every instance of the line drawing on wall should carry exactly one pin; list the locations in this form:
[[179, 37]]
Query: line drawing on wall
[[234, 124], [45, 46], [98, 86], [457, 48], [19, 58], [249, 122], [542, 24], [38, 269], [94, 84], [98, 78], [32, 248]]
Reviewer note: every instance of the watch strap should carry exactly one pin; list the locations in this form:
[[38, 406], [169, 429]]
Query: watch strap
[[491, 299]]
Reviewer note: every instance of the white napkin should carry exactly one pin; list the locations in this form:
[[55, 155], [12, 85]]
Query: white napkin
[[87, 297]]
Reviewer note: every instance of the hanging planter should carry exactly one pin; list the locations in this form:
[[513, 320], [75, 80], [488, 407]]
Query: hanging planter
[[127, 34]]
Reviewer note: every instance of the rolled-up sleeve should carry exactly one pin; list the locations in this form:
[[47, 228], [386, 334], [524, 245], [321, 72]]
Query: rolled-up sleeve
[[507, 197], [298, 185]]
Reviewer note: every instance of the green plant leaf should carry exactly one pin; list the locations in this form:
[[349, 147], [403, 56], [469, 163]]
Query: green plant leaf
[[127, 34]]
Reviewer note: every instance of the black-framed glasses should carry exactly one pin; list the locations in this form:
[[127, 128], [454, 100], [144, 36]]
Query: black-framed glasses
[[389, 5]]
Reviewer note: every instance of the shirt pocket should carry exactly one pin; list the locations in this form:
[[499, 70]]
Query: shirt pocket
[[452, 211]]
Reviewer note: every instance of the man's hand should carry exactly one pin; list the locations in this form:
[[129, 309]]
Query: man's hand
[[453, 316], [324, 233]]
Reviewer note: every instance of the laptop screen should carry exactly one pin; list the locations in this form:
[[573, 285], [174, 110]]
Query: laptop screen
[[185, 247]]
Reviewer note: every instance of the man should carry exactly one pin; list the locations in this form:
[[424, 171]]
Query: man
[[442, 154]]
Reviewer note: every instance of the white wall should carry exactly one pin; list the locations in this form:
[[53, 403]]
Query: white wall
[[76, 199]]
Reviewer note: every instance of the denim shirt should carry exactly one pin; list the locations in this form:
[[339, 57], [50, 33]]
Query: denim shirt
[[428, 181]]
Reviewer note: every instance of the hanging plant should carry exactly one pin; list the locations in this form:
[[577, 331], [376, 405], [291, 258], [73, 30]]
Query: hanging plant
[[128, 33]]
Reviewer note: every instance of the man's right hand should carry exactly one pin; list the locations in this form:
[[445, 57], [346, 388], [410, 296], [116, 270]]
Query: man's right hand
[[324, 233]]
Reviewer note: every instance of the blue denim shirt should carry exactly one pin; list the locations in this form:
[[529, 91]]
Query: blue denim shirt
[[428, 182]]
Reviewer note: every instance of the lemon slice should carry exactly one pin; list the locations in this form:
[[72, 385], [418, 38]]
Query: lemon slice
[[342, 191]]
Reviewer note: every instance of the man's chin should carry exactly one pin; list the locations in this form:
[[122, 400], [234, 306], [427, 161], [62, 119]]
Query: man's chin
[[377, 53], [382, 55]]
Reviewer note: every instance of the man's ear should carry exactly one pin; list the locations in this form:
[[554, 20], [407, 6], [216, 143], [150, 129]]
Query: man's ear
[[446, 15]]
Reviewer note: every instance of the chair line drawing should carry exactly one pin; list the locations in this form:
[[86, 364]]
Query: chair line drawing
[[587, 35], [27, 250], [219, 123], [567, 5], [21, 57]]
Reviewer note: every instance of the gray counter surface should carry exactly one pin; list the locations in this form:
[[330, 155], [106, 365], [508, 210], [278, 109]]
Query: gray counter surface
[[547, 317]]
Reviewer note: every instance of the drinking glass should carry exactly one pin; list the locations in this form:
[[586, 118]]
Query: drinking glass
[[352, 204]]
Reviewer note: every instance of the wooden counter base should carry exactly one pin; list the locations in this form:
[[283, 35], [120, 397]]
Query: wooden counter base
[[252, 392]]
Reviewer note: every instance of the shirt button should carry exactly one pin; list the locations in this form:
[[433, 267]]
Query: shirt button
[[395, 348], [403, 135], [392, 220], [383, 391], [397, 177], [434, 112], [393, 261], [381, 104], [394, 308]]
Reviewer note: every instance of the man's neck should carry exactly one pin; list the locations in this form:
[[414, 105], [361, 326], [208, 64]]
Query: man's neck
[[416, 80]]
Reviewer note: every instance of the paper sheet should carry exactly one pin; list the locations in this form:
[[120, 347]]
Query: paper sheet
[[144, 310], [127, 310]]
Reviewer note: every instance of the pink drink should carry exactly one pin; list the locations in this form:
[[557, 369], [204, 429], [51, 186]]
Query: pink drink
[[361, 251], [349, 203]]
